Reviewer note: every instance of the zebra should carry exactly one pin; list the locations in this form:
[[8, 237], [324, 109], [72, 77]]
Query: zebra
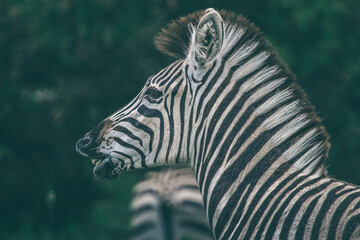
[[230, 109], [168, 205]]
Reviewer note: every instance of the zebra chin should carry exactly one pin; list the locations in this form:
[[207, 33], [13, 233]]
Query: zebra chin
[[108, 167]]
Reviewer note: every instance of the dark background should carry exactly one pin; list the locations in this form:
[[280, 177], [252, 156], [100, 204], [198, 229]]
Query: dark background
[[65, 65]]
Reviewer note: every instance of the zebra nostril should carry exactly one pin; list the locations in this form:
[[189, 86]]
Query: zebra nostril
[[83, 145], [85, 141]]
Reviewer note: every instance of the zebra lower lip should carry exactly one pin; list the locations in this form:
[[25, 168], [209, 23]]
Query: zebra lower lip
[[104, 168], [108, 167]]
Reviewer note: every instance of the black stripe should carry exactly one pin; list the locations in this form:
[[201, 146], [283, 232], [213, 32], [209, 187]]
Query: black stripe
[[288, 221], [182, 121], [142, 127], [175, 77], [300, 231], [255, 124], [276, 218], [199, 162], [188, 78], [224, 82], [188, 186], [188, 142], [143, 209], [127, 156], [163, 80], [156, 76], [227, 101], [242, 41], [339, 212], [166, 215], [212, 82], [352, 224], [356, 207], [193, 205], [165, 77], [171, 129], [128, 133], [294, 185], [170, 113], [202, 145], [235, 129], [127, 145], [230, 137], [332, 196], [219, 111], [251, 178], [278, 173], [153, 113], [259, 211], [133, 104]]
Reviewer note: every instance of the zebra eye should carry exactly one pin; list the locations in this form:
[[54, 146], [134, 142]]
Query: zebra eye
[[153, 94]]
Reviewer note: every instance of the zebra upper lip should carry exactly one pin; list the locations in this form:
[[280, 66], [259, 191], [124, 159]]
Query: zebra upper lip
[[98, 158]]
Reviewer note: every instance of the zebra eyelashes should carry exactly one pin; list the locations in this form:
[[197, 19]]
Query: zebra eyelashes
[[153, 95], [153, 92]]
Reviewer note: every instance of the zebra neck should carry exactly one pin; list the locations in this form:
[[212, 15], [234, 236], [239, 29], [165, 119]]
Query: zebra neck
[[256, 123], [249, 106], [259, 115]]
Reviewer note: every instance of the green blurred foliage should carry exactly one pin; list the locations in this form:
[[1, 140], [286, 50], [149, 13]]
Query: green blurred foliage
[[65, 65]]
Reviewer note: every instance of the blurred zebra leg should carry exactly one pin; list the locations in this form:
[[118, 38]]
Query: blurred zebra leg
[[168, 205]]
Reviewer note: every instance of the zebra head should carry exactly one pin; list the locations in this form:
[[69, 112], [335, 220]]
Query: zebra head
[[153, 128]]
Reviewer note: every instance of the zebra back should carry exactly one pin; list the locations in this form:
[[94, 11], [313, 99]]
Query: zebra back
[[168, 205]]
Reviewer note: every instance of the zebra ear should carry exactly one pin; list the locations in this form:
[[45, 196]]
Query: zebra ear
[[208, 37]]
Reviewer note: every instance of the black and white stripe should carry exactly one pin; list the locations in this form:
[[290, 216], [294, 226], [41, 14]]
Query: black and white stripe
[[168, 205], [230, 109]]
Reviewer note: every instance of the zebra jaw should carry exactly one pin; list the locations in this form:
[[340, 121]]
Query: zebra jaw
[[108, 167]]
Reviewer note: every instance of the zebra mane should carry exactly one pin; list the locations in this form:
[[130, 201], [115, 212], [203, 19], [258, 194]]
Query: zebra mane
[[174, 40]]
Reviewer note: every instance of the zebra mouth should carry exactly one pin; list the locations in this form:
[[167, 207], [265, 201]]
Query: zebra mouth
[[96, 161], [108, 167]]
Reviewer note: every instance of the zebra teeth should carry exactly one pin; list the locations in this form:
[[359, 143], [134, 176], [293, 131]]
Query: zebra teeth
[[95, 161]]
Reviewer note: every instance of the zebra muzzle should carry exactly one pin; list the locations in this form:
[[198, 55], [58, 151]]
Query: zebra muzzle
[[87, 146]]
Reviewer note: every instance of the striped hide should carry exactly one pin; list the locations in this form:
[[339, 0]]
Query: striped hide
[[231, 110]]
